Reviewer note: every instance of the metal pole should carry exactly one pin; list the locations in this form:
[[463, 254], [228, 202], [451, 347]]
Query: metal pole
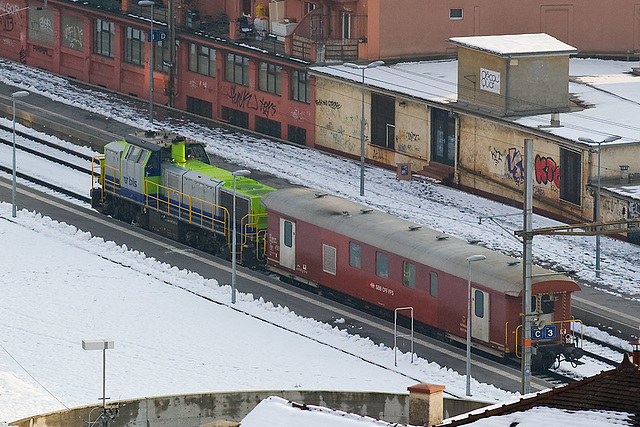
[[598, 214], [151, 65], [469, 332], [14, 95], [527, 262], [233, 247], [104, 380], [470, 259], [362, 140], [13, 186], [241, 172], [172, 52]]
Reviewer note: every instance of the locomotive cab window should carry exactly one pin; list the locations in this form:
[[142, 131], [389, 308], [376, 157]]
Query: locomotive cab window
[[382, 265], [288, 234], [479, 304], [355, 255], [408, 275]]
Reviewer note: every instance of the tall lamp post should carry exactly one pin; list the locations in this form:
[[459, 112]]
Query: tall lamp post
[[362, 67], [241, 172], [151, 64], [14, 95], [103, 345], [470, 259], [597, 204]]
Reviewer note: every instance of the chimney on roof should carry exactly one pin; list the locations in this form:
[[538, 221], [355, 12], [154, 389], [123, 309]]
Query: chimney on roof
[[635, 344], [624, 174], [426, 406]]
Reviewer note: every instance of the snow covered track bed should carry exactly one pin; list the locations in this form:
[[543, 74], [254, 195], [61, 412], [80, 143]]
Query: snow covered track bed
[[47, 162]]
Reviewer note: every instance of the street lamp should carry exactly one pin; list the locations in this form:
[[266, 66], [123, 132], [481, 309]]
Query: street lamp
[[150, 3], [241, 172], [597, 204], [103, 345], [14, 95], [470, 259], [362, 67]]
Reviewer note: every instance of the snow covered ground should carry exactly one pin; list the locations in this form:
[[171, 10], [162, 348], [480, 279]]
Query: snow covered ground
[[65, 286]]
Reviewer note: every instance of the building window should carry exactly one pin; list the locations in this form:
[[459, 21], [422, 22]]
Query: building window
[[570, 176], [297, 135], [268, 127], [161, 56], [329, 259], [270, 78], [40, 24], [237, 69], [355, 255], [235, 117], [383, 121], [408, 275], [72, 32], [308, 7], [455, 14], [433, 286], [200, 107], [382, 265], [300, 86], [134, 46], [346, 25], [479, 303], [103, 38], [202, 60]]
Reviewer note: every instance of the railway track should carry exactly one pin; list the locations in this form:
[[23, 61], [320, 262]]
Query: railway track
[[50, 158], [550, 376]]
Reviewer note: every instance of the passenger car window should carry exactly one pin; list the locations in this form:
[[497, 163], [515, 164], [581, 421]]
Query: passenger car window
[[382, 265], [408, 275], [433, 286], [355, 255]]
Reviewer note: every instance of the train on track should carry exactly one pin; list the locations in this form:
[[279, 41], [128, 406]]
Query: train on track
[[167, 184]]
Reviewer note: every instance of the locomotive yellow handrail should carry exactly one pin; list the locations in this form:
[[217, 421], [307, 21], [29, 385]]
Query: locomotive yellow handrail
[[248, 223], [565, 336], [198, 211]]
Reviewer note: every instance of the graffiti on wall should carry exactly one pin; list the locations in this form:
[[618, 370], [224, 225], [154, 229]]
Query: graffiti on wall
[[6, 23], [510, 165], [7, 20], [547, 171], [408, 142], [199, 84], [334, 105], [515, 165], [300, 115], [73, 37], [243, 98], [46, 51]]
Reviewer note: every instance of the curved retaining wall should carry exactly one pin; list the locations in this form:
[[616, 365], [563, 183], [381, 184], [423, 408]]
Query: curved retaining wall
[[194, 410]]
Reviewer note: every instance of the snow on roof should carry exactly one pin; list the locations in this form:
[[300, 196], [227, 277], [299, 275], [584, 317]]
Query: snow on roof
[[516, 44], [613, 103], [277, 412], [541, 416]]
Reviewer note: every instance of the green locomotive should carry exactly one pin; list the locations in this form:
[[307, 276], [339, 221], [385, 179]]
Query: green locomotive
[[167, 184]]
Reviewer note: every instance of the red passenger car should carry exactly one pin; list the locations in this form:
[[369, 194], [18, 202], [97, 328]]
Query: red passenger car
[[330, 242]]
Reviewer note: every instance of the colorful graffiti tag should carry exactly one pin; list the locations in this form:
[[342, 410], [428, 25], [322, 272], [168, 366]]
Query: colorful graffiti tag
[[547, 171]]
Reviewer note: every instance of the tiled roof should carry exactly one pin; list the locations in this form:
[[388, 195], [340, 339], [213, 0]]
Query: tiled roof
[[615, 390]]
